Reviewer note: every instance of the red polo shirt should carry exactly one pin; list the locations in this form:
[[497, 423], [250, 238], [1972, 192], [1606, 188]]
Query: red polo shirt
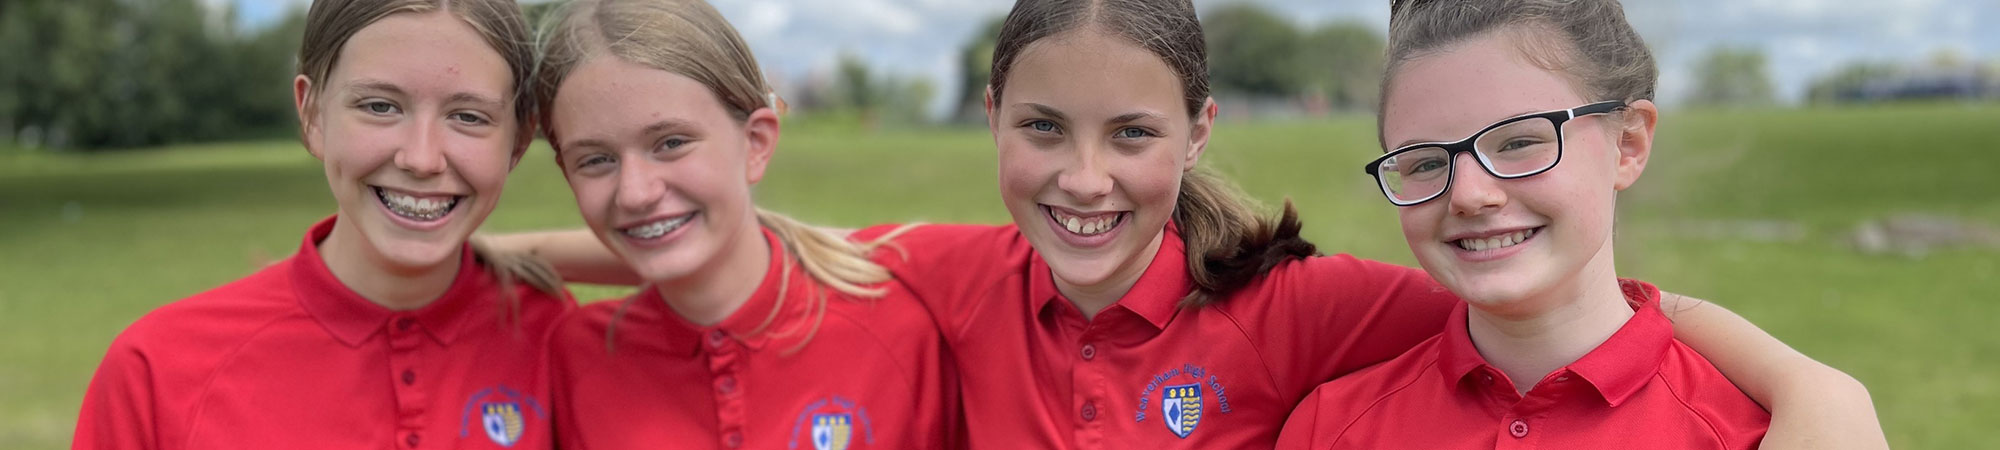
[[1146, 373], [786, 371], [1640, 388], [290, 358]]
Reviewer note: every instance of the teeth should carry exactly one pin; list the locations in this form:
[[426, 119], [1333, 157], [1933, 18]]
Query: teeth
[[657, 229], [1087, 227], [1496, 242], [416, 208]]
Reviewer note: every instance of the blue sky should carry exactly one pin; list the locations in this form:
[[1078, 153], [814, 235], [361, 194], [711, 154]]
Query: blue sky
[[1803, 38]]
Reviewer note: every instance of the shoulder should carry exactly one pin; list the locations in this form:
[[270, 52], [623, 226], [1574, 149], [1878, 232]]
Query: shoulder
[[1703, 392], [932, 242], [1339, 404], [234, 310]]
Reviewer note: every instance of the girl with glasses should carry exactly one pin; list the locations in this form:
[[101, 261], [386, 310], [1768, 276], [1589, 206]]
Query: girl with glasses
[[1512, 127]]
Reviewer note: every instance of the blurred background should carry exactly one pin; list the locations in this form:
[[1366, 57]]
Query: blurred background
[[1824, 168]]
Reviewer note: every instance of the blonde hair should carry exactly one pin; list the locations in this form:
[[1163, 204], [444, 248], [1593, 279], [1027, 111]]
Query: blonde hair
[[689, 38], [330, 23]]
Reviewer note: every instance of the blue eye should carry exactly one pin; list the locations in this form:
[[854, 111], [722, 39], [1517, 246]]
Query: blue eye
[[379, 107], [672, 143], [592, 160], [1133, 133], [1042, 126], [468, 118]]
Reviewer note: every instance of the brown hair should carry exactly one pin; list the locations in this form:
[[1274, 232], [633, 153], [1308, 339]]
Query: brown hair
[[688, 37], [329, 24], [1229, 242], [1588, 41]]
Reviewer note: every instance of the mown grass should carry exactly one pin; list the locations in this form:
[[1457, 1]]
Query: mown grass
[[89, 243]]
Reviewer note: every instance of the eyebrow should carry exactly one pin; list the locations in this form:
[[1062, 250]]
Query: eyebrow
[[1046, 110], [654, 129], [1505, 118], [366, 85], [1137, 116]]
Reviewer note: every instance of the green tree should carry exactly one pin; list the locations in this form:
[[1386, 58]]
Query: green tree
[[1344, 63], [1836, 86], [1252, 50], [1730, 76], [975, 70]]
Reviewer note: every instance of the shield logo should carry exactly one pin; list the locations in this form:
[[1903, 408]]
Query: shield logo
[[502, 422], [832, 431], [1180, 408]]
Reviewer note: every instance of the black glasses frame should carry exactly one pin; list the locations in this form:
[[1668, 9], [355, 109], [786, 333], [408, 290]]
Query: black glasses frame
[[1454, 148]]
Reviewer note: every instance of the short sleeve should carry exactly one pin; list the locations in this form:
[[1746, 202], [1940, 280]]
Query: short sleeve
[[1325, 317]]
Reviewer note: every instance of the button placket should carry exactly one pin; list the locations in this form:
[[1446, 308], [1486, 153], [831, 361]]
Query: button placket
[[725, 359], [406, 349]]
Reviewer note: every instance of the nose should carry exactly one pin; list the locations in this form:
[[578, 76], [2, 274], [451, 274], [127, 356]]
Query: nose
[[1473, 191], [1086, 180], [422, 155], [639, 187]]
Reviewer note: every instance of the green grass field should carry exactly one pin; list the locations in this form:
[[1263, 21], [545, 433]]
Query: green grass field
[[88, 243]]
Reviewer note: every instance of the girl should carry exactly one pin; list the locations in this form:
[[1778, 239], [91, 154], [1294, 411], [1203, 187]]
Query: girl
[[752, 330], [383, 331], [1138, 301], [1514, 212]]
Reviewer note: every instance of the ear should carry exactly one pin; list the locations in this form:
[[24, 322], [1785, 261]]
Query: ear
[[303, 103], [1635, 141], [1204, 122], [525, 137], [992, 115], [761, 129]]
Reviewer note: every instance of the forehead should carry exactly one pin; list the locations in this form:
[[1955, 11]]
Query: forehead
[[432, 52], [607, 97], [1088, 70], [1459, 89]]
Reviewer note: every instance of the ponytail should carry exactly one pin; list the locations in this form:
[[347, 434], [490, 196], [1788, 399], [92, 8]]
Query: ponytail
[[1228, 242]]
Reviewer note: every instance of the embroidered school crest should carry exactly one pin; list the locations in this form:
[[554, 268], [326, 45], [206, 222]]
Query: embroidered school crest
[[832, 431], [503, 415], [1180, 408], [502, 422], [832, 423], [1184, 402]]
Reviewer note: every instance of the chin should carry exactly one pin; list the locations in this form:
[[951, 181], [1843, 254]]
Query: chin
[[416, 254]]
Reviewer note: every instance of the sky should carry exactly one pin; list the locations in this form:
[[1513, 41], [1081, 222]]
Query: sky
[[1803, 39]]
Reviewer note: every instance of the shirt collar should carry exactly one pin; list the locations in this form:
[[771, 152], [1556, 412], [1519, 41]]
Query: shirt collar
[[1155, 297], [1615, 369], [353, 319], [754, 324]]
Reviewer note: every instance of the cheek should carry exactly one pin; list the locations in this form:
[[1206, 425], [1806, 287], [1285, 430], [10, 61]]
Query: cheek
[[1152, 178], [594, 197], [1023, 170], [1420, 222]]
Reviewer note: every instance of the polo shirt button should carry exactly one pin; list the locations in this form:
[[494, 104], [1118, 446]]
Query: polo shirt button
[[717, 338], [411, 440], [409, 377], [733, 440], [726, 385], [1089, 412], [1519, 429], [405, 323], [1089, 351]]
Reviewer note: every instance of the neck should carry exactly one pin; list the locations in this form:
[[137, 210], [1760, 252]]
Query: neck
[[366, 272], [1529, 345], [1092, 299], [717, 289]]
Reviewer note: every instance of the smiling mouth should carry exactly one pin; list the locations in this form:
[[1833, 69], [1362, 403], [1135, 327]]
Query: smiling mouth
[[1497, 242], [655, 229], [1090, 225], [417, 208]]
